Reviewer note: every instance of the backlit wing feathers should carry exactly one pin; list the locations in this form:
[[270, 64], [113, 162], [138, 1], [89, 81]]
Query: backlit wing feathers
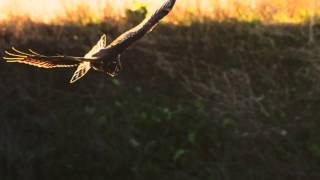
[[39, 60], [82, 70], [127, 38], [102, 43]]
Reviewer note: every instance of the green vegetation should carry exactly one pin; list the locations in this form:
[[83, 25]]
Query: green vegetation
[[211, 100]]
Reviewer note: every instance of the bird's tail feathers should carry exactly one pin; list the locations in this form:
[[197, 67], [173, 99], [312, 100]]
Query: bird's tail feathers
[[102, 43], [82, 70]]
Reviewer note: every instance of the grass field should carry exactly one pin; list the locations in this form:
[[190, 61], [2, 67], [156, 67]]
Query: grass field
[[199, 98], [58, 11]]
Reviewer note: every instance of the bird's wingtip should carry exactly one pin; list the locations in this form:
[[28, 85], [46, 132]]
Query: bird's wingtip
[[4, 59], [34, 52], [21, 52]]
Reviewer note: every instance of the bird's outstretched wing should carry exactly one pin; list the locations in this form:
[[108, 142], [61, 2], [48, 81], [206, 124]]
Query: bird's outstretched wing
[[127, 38], [38, 60]]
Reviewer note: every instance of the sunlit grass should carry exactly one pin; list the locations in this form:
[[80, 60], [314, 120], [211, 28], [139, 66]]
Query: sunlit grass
[[56, 11]]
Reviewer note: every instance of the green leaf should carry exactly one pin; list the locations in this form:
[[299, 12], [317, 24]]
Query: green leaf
[[179, 154]]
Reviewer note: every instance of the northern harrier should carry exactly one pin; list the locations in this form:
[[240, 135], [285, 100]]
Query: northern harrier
[[102, 57]]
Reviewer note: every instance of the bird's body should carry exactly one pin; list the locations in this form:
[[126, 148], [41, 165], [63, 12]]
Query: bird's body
[[102, 57]]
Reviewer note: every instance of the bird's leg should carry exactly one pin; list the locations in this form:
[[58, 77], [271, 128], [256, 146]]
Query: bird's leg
[[114, 68], [119, 64]]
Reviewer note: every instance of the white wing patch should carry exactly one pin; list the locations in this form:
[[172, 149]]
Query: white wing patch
[[82, 70], [102, 43]]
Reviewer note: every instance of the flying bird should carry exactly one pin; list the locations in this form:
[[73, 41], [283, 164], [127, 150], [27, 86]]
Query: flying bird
[[102, 57]]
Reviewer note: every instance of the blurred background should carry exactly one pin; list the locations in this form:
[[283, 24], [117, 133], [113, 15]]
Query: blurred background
[[221, 89]]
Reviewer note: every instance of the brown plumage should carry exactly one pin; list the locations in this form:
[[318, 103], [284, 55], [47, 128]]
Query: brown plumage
[[102, 57], [35, 59]]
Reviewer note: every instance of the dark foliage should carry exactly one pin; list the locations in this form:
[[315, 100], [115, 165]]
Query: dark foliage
[[212, 100]]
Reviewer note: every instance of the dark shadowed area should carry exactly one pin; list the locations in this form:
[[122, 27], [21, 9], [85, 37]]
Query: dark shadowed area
[[209, 100]]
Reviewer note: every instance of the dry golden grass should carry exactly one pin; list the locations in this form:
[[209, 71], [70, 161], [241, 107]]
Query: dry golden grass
[[57, 11]]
